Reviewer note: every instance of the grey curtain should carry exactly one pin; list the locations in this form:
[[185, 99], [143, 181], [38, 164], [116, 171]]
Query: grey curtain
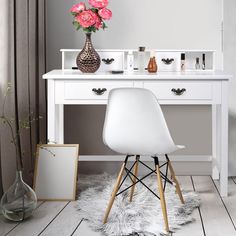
[[24, 64]]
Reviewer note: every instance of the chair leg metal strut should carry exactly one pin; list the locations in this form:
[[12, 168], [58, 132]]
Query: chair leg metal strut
[[134, 179]]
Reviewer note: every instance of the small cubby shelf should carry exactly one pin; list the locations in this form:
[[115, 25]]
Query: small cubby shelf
[[120, 57]]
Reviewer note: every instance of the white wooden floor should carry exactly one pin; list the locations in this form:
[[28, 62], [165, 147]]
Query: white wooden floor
[[215, 217]]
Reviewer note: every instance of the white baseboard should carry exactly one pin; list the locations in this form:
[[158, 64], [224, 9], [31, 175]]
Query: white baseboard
[[174, 158], [183, 165]]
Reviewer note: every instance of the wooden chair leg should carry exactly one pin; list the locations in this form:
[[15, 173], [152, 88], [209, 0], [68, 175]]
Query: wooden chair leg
[[177, 187], [162, 198], [113, 195], [134, 179]]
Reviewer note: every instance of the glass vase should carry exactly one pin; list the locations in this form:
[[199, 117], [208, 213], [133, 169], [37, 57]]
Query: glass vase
[[88, 60], [19, 201]]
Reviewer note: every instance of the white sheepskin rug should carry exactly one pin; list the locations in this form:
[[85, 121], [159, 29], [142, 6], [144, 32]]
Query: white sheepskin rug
[[141, 217]]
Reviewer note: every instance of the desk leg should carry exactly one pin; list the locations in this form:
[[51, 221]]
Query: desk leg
[[51, 137], [59, 123], [55, 117], [216, 142], [224, 140]]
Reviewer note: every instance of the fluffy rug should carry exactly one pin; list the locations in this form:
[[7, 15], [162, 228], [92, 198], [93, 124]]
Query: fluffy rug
[[143, 216]]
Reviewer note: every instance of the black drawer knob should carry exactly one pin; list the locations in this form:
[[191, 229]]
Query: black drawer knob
[[99, 91], [178, 91], [167, 61], [108, 61]]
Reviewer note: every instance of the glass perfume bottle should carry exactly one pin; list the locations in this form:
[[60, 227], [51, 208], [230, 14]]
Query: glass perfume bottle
[[182, 62], [141, 59], [197, 64], [203, 61], [152, 65], [130, 61]]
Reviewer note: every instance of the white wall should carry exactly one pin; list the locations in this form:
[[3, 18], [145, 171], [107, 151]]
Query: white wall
[[61, 34], [155, 24]]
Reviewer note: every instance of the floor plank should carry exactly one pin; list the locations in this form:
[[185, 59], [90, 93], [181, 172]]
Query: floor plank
[[6, 226], [66, 223], [215, 218], [230, 200], [42, 217], [84, 229], [194, 228], [234, 179]]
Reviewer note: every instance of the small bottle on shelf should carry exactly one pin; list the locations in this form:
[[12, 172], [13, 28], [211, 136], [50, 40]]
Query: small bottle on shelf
[[203, 61], [152, 65], [182, 61], [197, 64], [130, 61], [141, 59]]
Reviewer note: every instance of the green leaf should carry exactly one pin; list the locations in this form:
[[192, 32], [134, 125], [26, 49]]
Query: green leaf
[[104, 26], [95, 10], [88, 29], [74, 13], [77, 25]]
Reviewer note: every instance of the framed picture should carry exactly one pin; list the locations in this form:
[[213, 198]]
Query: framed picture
[[55, 175]]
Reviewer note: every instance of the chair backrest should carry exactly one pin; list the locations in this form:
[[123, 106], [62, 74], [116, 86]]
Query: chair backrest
[[134, 123]]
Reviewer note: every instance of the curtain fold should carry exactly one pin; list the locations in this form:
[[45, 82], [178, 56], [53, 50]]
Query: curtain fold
[[25, 66]]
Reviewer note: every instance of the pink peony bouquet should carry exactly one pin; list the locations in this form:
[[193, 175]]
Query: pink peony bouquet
[[91, 19]]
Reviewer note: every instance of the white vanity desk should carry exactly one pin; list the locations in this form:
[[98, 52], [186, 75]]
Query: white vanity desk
[[203, 87]]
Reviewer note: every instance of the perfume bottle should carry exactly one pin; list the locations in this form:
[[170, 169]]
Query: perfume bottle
[[203, 61], [130, 61], [141, 59], [182, 61], [152, 65], [197, 64]]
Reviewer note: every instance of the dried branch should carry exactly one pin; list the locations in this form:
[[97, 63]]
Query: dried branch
[[15, 133]]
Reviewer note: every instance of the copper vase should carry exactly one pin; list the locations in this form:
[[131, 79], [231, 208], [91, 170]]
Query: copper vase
[[88, 60], [152, 65]]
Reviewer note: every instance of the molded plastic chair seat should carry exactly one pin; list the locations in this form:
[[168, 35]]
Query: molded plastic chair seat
[[135, 124]]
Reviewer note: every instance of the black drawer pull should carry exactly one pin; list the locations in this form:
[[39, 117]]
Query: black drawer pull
[[167, 61], [178, 91], [99, 91], [108, 61]]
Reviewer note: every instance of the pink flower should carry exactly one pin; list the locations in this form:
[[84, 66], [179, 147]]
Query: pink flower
[[98, 3], [98, 24], [86, 18], [105, 13], [77, 8], [98, 21]]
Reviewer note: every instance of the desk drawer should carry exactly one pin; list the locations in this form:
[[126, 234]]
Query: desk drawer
[[180, 90], [92, 90]]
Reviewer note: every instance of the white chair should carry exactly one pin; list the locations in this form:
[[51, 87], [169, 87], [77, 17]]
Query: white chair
[[134, 125]]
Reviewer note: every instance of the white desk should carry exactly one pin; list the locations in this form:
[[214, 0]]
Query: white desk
[[73, 87]]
